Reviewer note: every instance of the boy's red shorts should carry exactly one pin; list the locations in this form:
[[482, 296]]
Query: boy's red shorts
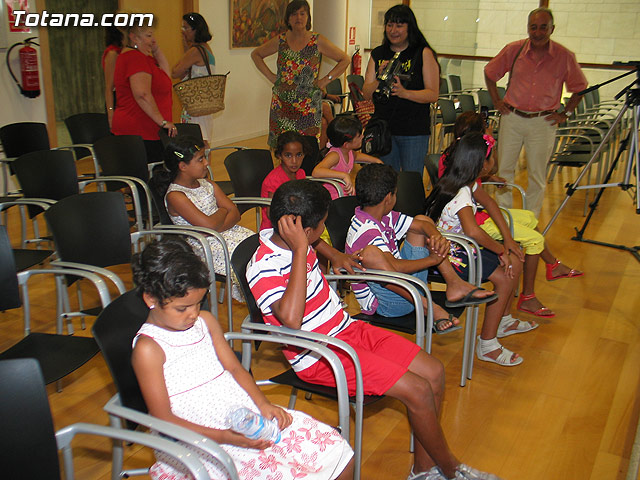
[[384, 358]]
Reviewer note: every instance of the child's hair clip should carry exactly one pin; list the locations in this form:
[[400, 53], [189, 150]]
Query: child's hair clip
[[178, 154], [490, 141], [193, 149]]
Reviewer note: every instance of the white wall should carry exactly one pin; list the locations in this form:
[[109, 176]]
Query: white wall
[[448, 24], [15, 107], [499, 23], [330, 19], [615, 23], [359, 16], [248, 93]]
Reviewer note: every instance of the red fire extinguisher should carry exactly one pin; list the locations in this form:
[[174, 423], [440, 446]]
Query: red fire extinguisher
[[30, 87], [356, 62]]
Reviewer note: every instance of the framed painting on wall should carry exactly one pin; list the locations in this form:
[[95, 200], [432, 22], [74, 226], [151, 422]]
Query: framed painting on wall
[[253, 22]]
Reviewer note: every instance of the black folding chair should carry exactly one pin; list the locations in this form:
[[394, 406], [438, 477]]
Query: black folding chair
[[58, 354], [28, 442], [84, 129]]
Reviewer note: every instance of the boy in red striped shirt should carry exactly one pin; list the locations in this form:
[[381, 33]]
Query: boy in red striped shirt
[[291, 290]]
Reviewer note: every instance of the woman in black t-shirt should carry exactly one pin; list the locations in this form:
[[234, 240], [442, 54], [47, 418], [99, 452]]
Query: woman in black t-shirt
[[407, 108]]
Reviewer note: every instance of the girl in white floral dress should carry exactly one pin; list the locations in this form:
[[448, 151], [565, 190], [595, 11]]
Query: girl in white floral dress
[[189, 375], [192, 199]]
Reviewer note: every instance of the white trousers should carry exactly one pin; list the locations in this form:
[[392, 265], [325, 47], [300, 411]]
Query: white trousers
[[537, 135]]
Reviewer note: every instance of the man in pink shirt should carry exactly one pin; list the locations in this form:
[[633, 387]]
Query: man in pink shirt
[[538, 69]]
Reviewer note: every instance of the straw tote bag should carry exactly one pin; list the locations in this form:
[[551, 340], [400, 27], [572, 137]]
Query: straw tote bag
[[202, 95]]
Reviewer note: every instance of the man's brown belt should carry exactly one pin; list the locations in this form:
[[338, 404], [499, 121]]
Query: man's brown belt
[[527, 114]]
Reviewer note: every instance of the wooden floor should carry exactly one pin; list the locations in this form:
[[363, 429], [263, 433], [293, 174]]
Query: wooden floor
[[568, 412]]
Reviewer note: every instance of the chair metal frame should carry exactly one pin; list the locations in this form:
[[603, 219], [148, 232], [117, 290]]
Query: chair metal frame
[[334, 87], [118, 414], [59, 272], [5, 162], [65, 435], [252, 201], [138, 238]]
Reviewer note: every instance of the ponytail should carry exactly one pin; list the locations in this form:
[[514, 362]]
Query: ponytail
[[465, 160], [161, 180], [179, 149], [467, 122]]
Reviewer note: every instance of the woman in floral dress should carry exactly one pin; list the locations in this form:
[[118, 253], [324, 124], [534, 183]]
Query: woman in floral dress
[[297, 89]]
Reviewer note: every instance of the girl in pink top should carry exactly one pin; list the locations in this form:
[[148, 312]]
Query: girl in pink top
[[345, 137], [290, 150]]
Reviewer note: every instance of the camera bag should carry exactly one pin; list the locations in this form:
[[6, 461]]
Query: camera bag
[[377, 138]]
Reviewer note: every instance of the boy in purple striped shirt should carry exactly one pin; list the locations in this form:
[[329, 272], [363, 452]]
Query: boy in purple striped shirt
[[377, 228]]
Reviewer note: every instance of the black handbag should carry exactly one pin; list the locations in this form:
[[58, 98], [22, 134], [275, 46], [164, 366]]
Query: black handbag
[[377, 138]]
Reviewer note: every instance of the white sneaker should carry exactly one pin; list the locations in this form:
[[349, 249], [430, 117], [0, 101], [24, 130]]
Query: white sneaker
[[434, 473], [465, 472]]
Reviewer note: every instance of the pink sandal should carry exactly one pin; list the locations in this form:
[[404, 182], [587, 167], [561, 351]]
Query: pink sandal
[[541, 312], [552, 266]]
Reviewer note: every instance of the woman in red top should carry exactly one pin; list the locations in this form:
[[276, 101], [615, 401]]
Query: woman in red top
[[143, 91]]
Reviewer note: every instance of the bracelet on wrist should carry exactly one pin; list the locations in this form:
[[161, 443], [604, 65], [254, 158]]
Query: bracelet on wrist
[[164, 122]]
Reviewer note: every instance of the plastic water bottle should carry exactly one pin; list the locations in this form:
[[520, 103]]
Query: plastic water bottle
[[253, 425]]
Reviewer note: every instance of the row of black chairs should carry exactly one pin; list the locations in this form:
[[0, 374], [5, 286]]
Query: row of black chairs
[[413, 323], [239, 270], [51, 175], [94, 229]]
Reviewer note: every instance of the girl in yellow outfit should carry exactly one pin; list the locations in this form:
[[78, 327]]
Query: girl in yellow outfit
[[527, 243]]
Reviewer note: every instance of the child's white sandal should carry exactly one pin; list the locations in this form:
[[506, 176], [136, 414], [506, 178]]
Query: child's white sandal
[[508, 321], [486, 346]]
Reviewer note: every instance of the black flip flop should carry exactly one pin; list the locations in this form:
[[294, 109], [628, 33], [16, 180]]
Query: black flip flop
[[469, 299], [452, 328]]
